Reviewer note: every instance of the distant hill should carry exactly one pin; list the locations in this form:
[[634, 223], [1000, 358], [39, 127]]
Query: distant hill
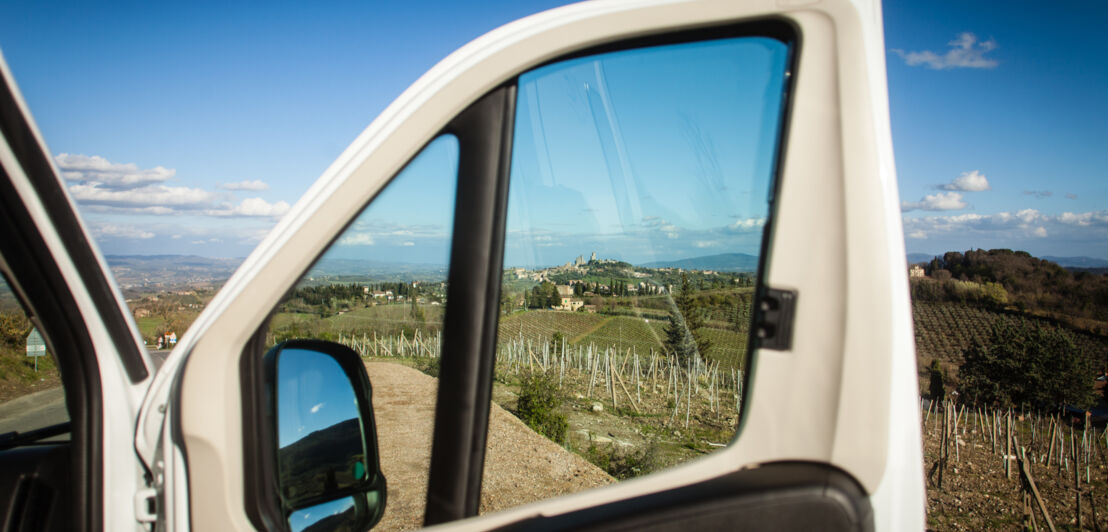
[[1085, 263], [138, 273], [170, 271], [354, 270], [1077, 262], [725, 262], [916, 258], [1029, 284]]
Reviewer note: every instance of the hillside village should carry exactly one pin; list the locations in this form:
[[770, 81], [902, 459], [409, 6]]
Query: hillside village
[[581, 285]]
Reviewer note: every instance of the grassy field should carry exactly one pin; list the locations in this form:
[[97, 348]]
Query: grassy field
[[619, 332], [385, 320]]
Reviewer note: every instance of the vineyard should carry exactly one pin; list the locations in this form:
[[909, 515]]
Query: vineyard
[[645, 383], [642, 335], [945, 330], [385, 319], [1004, 469]]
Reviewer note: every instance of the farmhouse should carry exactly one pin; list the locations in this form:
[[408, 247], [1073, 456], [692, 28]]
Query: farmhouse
[[569, 303], [916, 271], [386, 295]]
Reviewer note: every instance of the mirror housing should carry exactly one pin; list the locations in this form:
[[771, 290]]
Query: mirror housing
[[325, 469]]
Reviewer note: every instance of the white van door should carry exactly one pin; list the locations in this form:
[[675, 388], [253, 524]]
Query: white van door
[[643, 131]]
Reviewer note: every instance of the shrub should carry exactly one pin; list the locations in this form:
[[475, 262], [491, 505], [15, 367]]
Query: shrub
[[429, 366], [537, 406], [1023, 363], [623, 464]]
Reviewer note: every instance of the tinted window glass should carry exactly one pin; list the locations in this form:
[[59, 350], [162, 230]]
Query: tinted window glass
[[638, 201]]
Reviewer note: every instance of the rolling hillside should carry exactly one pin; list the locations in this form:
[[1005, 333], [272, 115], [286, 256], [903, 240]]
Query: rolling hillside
[[945, 330]]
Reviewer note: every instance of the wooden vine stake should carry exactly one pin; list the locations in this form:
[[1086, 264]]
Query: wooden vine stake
[[1076, 479], [1032, 491]]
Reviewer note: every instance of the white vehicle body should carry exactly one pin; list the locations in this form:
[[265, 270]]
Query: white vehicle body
[[837, 241]]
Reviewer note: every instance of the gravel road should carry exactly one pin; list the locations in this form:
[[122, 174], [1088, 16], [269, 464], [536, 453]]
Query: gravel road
[[520, 465]]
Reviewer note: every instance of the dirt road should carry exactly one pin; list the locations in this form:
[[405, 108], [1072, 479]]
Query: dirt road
[[520, 465]]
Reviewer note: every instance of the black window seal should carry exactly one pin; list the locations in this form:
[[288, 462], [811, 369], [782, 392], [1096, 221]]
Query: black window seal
[[36, 166], [484, 133]]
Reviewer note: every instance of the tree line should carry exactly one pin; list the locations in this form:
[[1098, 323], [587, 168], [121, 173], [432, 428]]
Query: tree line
[[1006, 278]]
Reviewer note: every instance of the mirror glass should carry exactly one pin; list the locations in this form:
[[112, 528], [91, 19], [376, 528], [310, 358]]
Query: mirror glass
[[339, 514], [319, 433]]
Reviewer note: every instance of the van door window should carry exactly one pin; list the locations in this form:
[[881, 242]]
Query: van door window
[[380, 288], [31, 392], [638, 203]]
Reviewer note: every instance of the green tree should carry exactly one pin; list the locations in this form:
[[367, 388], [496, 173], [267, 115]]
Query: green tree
[[937, 389], [417, 312], [1026, 364], [544, 295], [680, 343], [683, 336]]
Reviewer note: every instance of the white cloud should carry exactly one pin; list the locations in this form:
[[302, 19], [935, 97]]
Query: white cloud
[[973, 181], [1085, 219], [1039, 194], [107, 230], [943, 201], [93, 193], [316, 408], [746, 224], [964, 52], [356, 239], [705, 244], [1029, 216], [254, 185], [75, 167], [251, 207], [1087, 227], [654, 223], [1071, 196], [408, 244], [101, 186]]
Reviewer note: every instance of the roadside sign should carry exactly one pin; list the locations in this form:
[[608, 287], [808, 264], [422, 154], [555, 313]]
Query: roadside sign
[[36, 347]]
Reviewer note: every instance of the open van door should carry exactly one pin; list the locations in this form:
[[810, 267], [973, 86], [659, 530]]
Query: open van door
[[639, 122]]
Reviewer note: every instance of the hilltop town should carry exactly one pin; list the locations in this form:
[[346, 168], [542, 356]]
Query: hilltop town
[[584, 285]]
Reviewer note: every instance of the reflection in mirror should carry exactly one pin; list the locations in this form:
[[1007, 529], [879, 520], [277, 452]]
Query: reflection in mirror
[[339, 514], [319, 429]]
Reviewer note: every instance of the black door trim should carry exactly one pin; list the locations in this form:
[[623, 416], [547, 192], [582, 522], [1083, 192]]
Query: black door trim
[[775, 496], [484, 133], [37, 276]]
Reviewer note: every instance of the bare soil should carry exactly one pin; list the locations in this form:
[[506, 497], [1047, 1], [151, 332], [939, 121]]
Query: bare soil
[[520, 465], [976, 494]]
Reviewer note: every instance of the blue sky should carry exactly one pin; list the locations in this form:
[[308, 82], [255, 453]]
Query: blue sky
[[316, 396], [191, 129]]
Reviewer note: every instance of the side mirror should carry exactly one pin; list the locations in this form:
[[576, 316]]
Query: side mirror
[[328, 474]]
